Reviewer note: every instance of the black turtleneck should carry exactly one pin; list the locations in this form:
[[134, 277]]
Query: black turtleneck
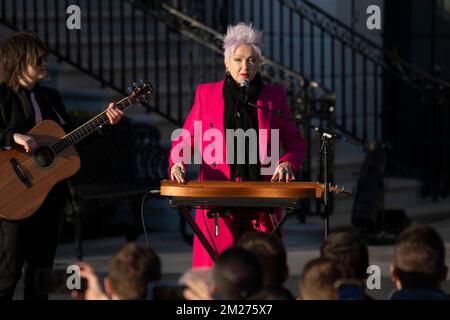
[[238, 115]]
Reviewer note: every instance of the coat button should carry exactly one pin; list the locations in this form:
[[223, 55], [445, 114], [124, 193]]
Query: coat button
[[212, 144], [211, 124], [213, 165]]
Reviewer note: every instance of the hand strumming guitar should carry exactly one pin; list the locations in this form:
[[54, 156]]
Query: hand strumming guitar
[[27, 142]]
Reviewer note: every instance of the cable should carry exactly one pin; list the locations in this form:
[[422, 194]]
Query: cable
[[152, 192]]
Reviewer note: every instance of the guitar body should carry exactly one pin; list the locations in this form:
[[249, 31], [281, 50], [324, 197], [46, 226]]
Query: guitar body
[[26, 180], [23, 192]]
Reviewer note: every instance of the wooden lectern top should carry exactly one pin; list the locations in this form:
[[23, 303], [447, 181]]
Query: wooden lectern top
[[245, 189]]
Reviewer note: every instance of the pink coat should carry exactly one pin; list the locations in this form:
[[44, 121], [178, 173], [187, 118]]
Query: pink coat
[[208, 110]]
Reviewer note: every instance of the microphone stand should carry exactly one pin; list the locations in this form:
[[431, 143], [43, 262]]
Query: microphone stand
[[326, 138]]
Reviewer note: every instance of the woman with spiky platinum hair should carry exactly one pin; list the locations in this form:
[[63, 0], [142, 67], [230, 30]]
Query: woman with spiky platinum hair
[[242, 34], [222, 106]]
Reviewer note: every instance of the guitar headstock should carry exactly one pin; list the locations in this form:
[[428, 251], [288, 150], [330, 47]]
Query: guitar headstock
[[340, 190], [140, 93]]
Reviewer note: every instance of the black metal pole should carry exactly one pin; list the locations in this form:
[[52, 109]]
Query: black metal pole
[[326, 189], [198, 232]]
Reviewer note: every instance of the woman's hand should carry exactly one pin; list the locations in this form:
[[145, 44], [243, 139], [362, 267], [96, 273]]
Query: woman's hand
[[284, 172], [27, 142], [177, 173], [114, 115]]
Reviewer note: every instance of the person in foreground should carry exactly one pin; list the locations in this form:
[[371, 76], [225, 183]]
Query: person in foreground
[[419, 266], [130, 271], [24, 103]]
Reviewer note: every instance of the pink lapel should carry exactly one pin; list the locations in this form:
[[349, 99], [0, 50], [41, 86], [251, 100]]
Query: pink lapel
[[264, 122], [263, 101], [215, 116], [217, 107]]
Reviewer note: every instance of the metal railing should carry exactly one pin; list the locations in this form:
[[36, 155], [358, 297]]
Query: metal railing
[[324, 65], [120, 43]]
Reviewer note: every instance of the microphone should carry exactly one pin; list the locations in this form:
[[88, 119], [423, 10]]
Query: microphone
[[244, 89]]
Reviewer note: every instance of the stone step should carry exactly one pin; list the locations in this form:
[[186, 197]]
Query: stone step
[[182, 75], [429, 211], [418, 209]]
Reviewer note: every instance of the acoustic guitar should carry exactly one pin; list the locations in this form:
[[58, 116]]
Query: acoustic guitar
[[26, 179]]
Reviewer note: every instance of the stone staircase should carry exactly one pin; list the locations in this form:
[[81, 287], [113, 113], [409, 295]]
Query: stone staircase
[[81, 91]]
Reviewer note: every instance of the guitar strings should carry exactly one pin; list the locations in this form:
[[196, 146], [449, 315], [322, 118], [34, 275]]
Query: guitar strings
[[30, 163]]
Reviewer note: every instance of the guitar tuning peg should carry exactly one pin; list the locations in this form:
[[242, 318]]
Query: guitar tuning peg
[[135, 85], [141, 81], [130, 89]]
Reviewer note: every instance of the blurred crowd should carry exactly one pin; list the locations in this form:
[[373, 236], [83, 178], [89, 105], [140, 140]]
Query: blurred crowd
[[255, 268]]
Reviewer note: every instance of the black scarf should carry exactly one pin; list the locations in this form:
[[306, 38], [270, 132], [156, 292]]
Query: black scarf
[[237, 115]]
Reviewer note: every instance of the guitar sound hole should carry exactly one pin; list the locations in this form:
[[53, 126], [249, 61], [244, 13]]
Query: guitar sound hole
[[44, 157]]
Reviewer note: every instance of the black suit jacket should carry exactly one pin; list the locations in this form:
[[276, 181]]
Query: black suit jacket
[[17, 113], [17, 116]]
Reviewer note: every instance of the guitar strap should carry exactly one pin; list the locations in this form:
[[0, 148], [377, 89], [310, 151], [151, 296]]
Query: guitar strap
[[63, 122]]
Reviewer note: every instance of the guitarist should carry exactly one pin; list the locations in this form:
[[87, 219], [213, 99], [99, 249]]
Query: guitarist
[[23, 104]]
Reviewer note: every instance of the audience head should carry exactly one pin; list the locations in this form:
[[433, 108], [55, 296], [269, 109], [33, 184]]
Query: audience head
[[319, 279], [272, 255], [419, 258], [348, 248], [130, 271], [237, 274]]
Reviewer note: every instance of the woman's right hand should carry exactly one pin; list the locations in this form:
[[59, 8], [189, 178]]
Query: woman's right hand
[[177, 173], [27, 142]]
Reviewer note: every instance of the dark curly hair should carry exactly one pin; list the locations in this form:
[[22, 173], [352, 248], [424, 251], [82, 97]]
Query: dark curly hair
[[17, 51]]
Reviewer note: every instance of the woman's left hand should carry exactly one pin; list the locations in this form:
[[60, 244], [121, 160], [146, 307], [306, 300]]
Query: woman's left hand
[[114, 115], [284, 172]]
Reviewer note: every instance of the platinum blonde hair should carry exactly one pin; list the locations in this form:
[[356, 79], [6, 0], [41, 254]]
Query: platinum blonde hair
[[242, 34]]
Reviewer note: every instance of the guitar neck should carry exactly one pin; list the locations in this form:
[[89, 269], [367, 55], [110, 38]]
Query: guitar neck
[[86, 129]]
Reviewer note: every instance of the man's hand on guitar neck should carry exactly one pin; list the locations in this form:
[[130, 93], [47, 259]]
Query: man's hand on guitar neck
[[114, 115], [27, 142]]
